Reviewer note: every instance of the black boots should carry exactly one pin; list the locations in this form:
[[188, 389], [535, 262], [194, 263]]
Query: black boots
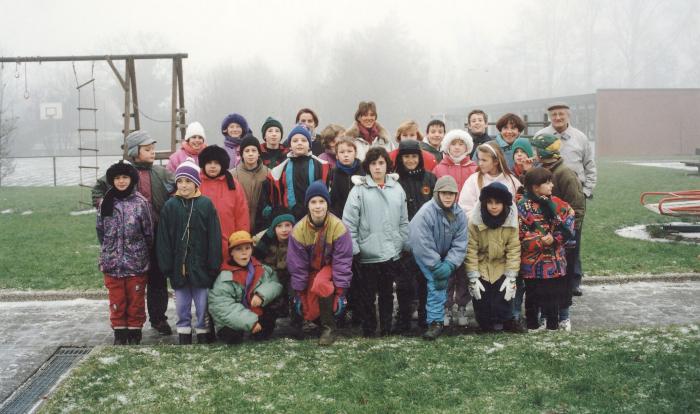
[[514, 326], [434, 330], [133, 336], [203, 338], [121, 336], [185, 339], [325, 306], [162, 327]]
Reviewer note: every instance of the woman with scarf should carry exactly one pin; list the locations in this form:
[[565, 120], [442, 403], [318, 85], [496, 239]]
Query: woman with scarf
[[234, 127], [368, 132]]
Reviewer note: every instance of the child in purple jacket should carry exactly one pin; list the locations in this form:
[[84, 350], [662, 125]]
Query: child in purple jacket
[[125, 232]]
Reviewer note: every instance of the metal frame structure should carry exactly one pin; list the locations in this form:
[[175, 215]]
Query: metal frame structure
[[674, 203], [129, 85]]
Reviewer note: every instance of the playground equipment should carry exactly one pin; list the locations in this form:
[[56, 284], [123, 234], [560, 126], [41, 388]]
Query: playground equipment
[[87, 106], [675, 204]]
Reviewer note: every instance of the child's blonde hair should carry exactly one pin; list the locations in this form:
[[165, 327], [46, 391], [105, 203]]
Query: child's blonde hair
[[407, 126]]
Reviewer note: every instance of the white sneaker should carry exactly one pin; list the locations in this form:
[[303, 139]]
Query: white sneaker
[[565, 325], [462, 319], [448, 317]]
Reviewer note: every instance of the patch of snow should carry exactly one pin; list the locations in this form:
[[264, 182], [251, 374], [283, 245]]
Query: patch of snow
[[83, 212], [674, 165], [110, 360], [639, 232], [26, 213], [122, 399], [7, 211], [149, 351], [496, 347]]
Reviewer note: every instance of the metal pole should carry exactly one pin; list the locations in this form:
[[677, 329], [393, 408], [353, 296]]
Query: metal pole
[[21, 59], [54, 171]]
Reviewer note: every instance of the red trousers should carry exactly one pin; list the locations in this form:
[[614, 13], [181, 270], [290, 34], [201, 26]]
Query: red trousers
[[320, 285], [127, 301]]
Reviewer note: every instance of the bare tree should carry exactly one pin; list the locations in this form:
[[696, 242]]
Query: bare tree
[[7, 126]]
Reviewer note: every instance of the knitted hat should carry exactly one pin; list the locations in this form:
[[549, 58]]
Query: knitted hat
[[523, 144], [317, 188], [195, 128], [497, 191], [135, 140], [406, 147], [234, 118], [446, 184], [547, 146], [298, 129], [457, 134], [271, 122], [248, 141], [238, 238], [122, 167], [214, 153], [280, 215], [189, 169]]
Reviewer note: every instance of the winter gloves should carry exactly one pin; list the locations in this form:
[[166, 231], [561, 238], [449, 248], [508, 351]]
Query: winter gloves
[[441, 274], [509, 286], [475, 287]]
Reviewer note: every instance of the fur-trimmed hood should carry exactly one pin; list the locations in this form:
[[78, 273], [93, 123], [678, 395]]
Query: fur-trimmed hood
[[354, 132], [366, 180], [476, 219]]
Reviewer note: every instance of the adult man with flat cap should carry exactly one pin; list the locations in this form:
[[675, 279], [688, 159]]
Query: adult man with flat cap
[[577, 154]]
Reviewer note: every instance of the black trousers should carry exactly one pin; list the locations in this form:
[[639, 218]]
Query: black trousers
[[410, 285], [492, 308], [156, 292], [545, 295], [267, 320], [376, 281]]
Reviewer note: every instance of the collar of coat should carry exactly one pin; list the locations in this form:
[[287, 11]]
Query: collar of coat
[[366, 180], [276, 173], [354, 131], [477, 220]]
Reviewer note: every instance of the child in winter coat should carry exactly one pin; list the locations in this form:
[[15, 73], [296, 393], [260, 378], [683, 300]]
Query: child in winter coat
[[418, 185], [225, 192], [434, 133], [252, 174], [493, 259], [155, 183], [271, 249], [189, 250], [346, 166], [438, 239], [242, 297], [568, 187], [377, 218], [319, 260], [523, 158], [125, 232], [234, 127], [546, 224], [456, 163], [408, 131], [287, 183], [272, 152], [492, 167], [329, 139], [193, 144]]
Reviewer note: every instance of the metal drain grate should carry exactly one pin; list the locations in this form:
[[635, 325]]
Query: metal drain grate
[[37, 386]]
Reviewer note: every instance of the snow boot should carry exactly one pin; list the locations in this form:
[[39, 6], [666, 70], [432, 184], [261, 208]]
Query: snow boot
[[203, 338], [327, 337], [134, 336], [434, 330], [185, 339], [120, 337]]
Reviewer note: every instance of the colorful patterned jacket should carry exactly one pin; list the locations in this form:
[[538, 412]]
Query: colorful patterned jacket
[[538, 261], [126, 237]]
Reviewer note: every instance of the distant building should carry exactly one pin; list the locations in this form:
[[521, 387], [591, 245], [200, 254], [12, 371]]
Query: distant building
[[621, 122]]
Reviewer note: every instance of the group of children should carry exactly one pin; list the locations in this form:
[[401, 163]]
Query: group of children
[[336, 233]]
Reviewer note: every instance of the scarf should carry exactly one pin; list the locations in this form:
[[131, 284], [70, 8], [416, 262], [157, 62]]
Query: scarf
[[494, 222], [348, 169], [448, 211], [368, 134], [191, 151], [289, 178], [459, 159], [107, 206], [231, 142]]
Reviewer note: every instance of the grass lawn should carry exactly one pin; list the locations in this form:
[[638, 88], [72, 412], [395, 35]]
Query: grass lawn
[[50, 249], [636, 371]]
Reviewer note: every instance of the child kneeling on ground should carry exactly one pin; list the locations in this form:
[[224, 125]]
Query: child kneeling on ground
[[239, 301], [125, 232], [438, 239], [493, 259], [189, 250]]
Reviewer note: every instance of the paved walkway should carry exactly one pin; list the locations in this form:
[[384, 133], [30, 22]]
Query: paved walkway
[[31, 331]]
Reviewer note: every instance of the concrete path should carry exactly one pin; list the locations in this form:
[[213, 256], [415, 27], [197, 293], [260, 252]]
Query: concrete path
[[31, 330]]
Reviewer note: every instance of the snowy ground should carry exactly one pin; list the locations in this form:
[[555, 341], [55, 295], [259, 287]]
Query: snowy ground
[[675, 165]]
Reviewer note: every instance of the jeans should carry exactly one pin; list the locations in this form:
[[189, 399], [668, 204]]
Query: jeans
[[183, 305]]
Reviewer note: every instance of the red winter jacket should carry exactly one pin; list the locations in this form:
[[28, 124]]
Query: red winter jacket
[[460, 172], [231, 206]]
